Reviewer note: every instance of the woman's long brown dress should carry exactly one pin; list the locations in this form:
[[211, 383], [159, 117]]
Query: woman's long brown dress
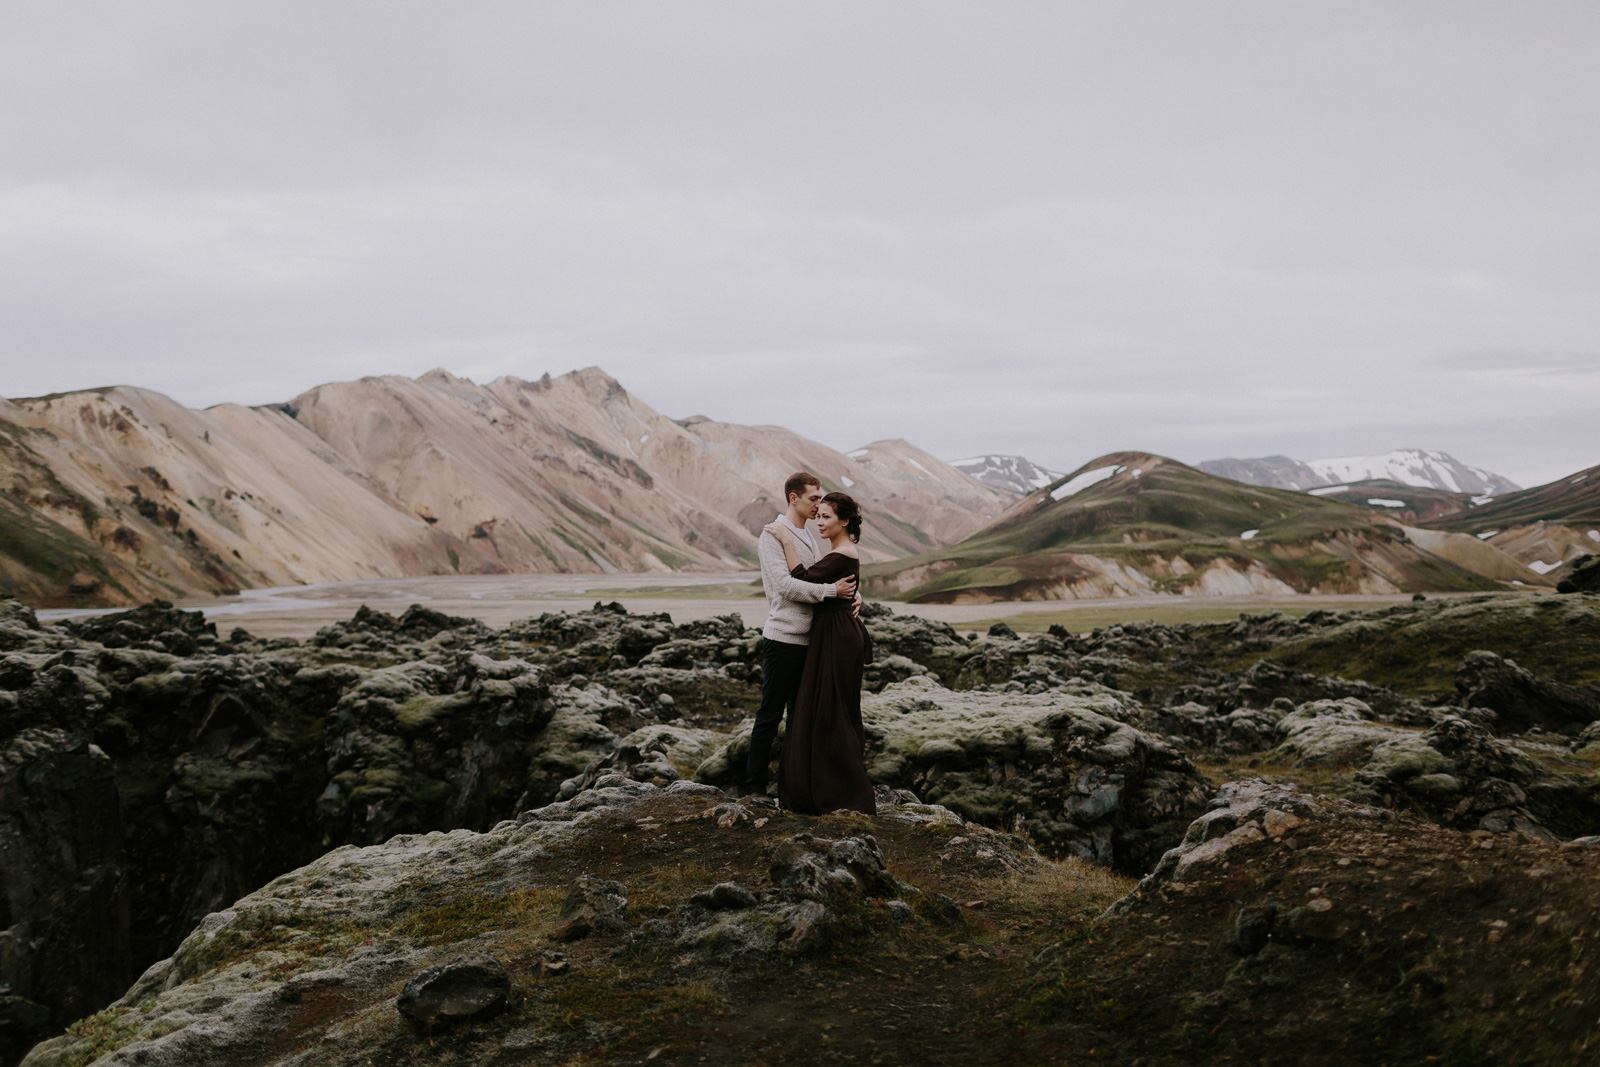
[[823, 767]]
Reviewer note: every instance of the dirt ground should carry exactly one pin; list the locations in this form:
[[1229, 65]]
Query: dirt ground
[[1432, 947]]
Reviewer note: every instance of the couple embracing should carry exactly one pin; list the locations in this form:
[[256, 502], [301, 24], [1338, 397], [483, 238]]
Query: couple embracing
[[814, 650]]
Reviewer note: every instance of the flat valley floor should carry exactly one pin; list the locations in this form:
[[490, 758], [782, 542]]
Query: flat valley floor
[[300, 611]]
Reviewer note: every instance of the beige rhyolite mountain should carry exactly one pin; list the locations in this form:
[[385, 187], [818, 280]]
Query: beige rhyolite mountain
[[112, 495]]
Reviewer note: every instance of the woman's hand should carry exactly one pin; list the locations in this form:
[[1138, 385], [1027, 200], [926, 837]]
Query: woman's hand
[[780, 531]]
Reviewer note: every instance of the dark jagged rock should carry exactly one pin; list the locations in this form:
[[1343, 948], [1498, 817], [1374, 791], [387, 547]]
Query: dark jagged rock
[[593, 906], [724, 896], [1584, 576], [157, 626], [816, 886], [1237, 732], [1266, 682], [931, 644], [607, 638], [423, 745], [64, 947], [1460, 775], [1064, 766], [18, 625], [1522, 699], [371, 628]]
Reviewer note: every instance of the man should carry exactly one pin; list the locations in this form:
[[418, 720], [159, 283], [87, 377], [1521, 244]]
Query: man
[[788, 629]]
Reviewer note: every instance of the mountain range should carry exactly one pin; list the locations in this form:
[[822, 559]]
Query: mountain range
[[1408, 466], [119, 494], [113, 495], [1134, 523]]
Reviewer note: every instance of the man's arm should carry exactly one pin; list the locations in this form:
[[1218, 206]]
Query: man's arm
[[776, 577]]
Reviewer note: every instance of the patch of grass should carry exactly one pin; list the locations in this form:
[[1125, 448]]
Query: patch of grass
[[1324, 779], [469, 916], [1064, 887], [644, 1014], [668, 886], [102, 1034], [1079, 998], [422, 709], [309, 937], [541, 546]]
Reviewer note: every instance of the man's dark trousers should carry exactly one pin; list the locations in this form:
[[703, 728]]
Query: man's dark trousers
[[781, 666]]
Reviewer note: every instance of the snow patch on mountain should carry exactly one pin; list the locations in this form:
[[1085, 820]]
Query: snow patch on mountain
[[1014, 473], [1421, 467], [1082, 481]]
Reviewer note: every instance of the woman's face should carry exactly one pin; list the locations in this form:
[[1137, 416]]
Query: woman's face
[[828, 524]]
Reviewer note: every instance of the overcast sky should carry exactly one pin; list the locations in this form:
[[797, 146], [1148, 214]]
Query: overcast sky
[[1054, 229]]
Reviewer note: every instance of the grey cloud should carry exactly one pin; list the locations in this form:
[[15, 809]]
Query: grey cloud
[[1043, 228]]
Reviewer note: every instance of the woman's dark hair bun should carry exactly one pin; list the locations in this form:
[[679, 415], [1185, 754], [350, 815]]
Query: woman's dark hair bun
[[848, 511]]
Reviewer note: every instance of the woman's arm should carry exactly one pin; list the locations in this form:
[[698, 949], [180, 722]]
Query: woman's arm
[[786, 539]]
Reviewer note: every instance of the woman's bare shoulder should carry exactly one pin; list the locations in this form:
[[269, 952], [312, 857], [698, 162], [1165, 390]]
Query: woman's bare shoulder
[[848, 551]]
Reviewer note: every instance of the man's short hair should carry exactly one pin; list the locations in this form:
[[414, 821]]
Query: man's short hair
[[796, 485]]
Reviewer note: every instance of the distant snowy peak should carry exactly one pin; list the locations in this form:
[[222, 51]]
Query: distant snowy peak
[[1014, 473], [1415, 466], [1409, 466]]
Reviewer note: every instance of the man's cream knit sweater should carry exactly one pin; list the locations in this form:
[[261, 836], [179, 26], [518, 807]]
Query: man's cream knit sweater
[[789, 599]]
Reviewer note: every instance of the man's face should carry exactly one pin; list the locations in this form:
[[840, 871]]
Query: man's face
[[806, 503]]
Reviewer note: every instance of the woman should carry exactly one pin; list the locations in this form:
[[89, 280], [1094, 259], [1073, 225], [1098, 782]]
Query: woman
[[823, 767]]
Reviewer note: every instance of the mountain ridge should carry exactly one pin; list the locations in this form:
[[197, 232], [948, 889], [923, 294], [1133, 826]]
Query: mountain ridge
[[117, 494], [1135, 523]]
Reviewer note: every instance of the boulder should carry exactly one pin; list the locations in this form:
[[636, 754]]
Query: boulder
[[1330, 732], [1522, 699], [1249, 814], [1059, 766], [1584, 576], [574, 738], [593, 907], [472, 986]]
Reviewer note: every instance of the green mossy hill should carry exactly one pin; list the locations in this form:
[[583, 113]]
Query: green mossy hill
[[1574, 500], [1152, 525], [1417, 648]]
